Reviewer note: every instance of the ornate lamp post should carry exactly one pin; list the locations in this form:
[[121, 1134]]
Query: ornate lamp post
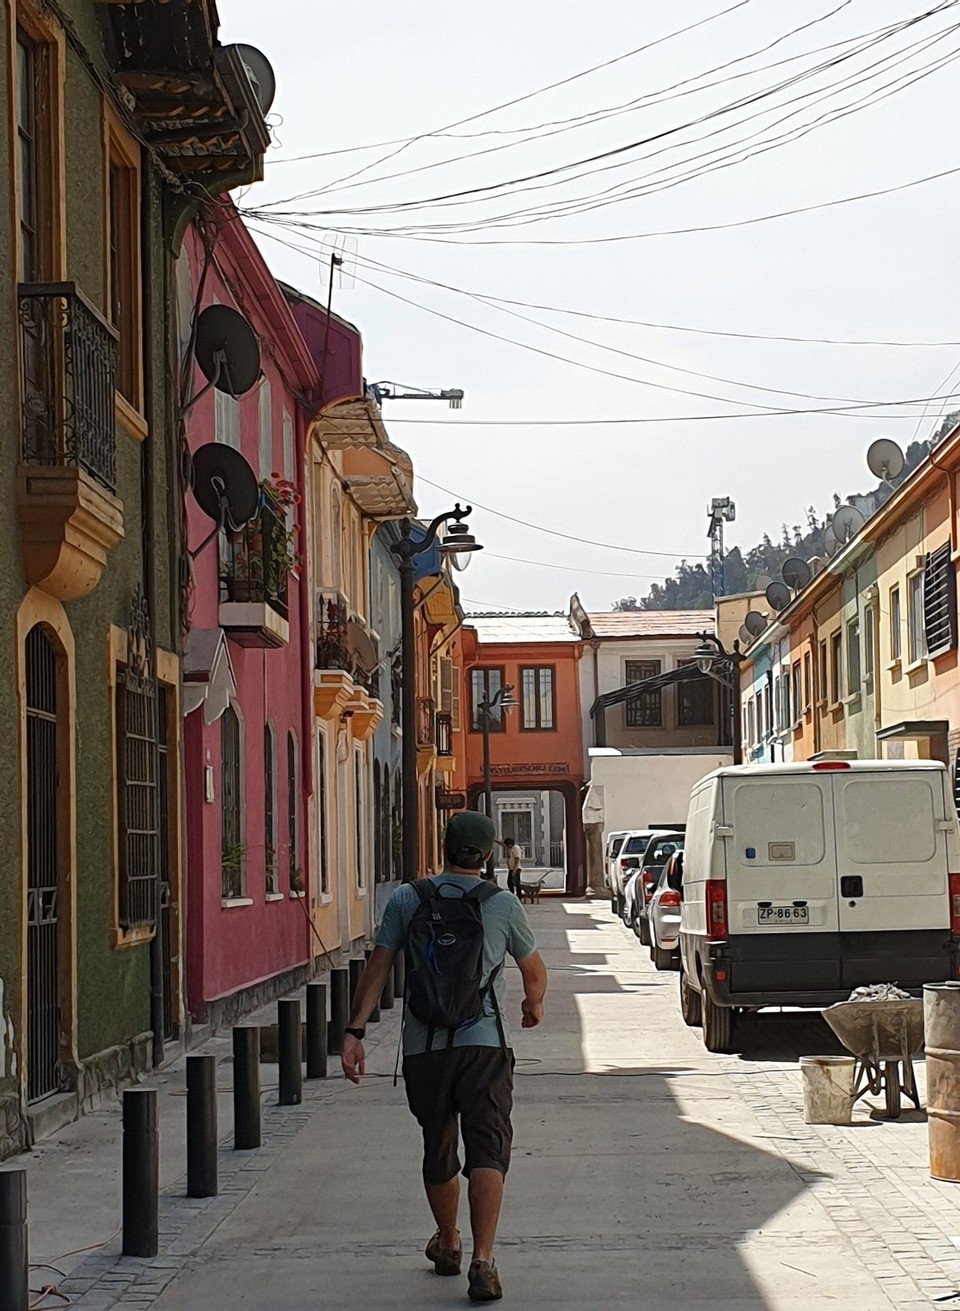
[[458, 540], [714, 659]]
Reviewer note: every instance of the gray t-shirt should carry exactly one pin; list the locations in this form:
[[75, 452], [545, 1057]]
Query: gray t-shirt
[[506, 931]]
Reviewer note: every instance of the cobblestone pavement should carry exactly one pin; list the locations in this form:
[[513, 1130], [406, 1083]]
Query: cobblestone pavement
[[647, 1172]]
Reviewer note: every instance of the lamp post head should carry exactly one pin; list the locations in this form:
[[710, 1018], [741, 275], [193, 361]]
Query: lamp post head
[[458, 542], [705, 656]]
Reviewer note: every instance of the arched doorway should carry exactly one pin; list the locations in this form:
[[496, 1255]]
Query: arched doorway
[[545, 820], [43, 858]]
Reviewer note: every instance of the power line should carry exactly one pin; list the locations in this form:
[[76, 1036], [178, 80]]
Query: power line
[[569, 568]]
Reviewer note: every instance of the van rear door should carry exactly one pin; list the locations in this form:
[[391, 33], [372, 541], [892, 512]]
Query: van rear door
[[891, 850]]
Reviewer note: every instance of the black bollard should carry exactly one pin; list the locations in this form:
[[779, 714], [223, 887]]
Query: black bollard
[[202, 1126], [246, 1087], [399, 974], [316, 1030], [290, 1051], [339, 1009], [14, 1262], [375, 1013], [141, 1173], [388, 996]]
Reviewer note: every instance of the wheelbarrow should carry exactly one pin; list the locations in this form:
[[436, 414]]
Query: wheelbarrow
[[884, 1036]]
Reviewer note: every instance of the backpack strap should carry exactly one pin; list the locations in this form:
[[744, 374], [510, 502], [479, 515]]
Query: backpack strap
[[484, 890]]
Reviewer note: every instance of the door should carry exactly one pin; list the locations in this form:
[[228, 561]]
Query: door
[[43, 867], [167, 924], [892, 850]]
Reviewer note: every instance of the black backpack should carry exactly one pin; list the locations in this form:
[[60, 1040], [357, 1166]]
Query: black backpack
[[444, 958]]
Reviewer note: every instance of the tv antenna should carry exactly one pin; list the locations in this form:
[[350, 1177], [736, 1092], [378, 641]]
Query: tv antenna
[[226, 348], [847, 522], [721, 510], [885, 459], [778, 596], [225, 488], [796, 573]]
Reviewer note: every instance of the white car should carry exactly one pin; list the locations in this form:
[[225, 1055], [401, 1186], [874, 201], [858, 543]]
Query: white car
[[663, 914], [626, 863], [610, 851]]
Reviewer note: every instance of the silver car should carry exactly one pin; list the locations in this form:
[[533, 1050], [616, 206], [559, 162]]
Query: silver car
[[664, 914]]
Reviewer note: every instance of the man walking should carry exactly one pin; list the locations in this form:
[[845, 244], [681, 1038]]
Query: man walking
[[514, 856], [456, 930]]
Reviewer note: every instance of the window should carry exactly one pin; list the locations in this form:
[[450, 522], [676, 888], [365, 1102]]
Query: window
[[293, 815], [536, 686], [777, 707], [895, 624], [123, 258], [695, 700], [645, 710], [797, 693], [336, 539], [807, 681], [28, 58], [485, 683], [751, 720], [359, 818], [265, 405], [322, 846], [228, 420], [785, 720], [836, 667], [38, 113], [138, 807], [916, 643], [853, 657], [271, 882], [231, 820], [869, 640], [824, 673], [939, 602]]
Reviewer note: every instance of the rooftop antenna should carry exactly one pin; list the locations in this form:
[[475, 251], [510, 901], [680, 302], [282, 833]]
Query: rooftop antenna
[[746, 637], [225, 488], [397, 391], [796, 573], [885, 459], [847, 522], [721, 510], [226, 348]]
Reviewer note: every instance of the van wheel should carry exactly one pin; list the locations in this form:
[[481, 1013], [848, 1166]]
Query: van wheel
[[662, 960], [690, 1008], [717, 1025]]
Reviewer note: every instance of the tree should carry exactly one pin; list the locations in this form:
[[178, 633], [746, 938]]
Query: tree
[[627, 603]]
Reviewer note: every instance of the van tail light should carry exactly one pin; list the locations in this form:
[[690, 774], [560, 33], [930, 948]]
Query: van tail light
[[827, 766], [670, 898], [953, 883], [717, 929]]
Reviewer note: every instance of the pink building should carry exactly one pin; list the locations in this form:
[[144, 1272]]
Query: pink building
[[248, 663]]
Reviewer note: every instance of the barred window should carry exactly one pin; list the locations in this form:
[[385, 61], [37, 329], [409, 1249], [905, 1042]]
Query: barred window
[[645, 710], [293, 814], [271, 882], [695, 698], [138, 802], [231, 820]]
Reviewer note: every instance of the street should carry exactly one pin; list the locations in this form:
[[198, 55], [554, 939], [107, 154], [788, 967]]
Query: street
[[646, 1172]]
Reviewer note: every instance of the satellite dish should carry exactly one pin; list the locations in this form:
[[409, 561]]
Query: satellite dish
[[847, 522], [361, 645], [885, 459], [778, 595], [796, 573], [761, 582], [830, 543], [224, 485], [227, 350], [817, 564], [745, 636], [261, 74], [755, 623]]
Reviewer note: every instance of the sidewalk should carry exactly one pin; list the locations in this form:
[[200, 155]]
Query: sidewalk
[[646, 1172]]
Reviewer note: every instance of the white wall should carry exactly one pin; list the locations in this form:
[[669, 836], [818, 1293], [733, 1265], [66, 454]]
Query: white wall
[[637, 789]]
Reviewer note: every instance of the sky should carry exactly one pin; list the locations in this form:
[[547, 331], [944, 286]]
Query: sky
[[882, 269]]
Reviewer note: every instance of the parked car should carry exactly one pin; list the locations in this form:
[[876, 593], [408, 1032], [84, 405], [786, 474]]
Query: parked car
[[663, 914], [658, 851], [610, 852], [626, 861], [804, 881]]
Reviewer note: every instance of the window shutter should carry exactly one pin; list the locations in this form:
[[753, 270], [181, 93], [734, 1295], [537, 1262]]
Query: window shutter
[[455, 700], [446, 686], [940, 601]]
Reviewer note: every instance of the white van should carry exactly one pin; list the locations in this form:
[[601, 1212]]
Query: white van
[[804, 881]]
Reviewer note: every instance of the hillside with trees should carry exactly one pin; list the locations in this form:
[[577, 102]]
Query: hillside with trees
[[690, 588]]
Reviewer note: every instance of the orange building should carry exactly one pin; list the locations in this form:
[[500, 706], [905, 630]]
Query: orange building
[[536, 746]]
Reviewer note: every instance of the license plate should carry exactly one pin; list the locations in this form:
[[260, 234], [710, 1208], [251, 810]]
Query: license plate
[[783, 914]]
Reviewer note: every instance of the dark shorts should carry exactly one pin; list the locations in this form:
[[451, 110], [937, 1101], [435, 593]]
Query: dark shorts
[[474, 1085]]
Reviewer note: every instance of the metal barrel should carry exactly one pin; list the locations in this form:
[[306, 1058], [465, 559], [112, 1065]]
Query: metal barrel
[[375, 1013], [316, 1030], [202, 1126], [14, 1262], [941, 1021], [339, 1009], [246, 1087], [290, 1051], [141, 1173]]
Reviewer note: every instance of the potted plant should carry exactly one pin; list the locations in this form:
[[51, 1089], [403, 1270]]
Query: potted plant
[[231, 869]]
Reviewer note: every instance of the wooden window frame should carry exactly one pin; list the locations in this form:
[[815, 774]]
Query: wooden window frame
[[271, 861], [896, 625], [796, 687], [916, 631], [854, 657], [323, 819], [633, 706], [47, 38], [496, 726], [122, 159], [710, 685], [836, 667], [241, 898], [538, 727], [823, 673], [807, 682], [295, 881]]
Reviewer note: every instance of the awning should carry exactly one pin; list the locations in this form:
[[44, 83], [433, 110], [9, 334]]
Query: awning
[[914, 730], [208, 678]]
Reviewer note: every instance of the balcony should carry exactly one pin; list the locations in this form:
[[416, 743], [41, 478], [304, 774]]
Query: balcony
[[347, 674], [68, 514], [254, 573], [426, 712]]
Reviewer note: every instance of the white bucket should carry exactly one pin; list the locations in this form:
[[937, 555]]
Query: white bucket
[[827, 1089]]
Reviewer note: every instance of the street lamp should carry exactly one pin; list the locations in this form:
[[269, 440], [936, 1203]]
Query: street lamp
[[502, 699], [718, 663], [459, 539]]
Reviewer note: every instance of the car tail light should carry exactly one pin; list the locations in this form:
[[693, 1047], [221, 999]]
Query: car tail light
[[670, 898], [826, 765], [717, 910], [953, 882]]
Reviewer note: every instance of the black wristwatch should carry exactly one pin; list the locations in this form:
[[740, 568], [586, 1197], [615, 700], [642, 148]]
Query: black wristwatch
[[359, 1034]]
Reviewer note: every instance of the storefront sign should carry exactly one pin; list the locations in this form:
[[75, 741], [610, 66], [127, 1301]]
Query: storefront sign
[[520, 771], [451, 800]]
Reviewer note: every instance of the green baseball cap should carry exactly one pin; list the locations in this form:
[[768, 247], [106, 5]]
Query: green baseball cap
[[468, 834]]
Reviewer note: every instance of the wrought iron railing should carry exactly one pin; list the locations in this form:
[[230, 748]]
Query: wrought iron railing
[[426, 721], [68, 370], [332, 652], [444, 734], [253, 565]]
